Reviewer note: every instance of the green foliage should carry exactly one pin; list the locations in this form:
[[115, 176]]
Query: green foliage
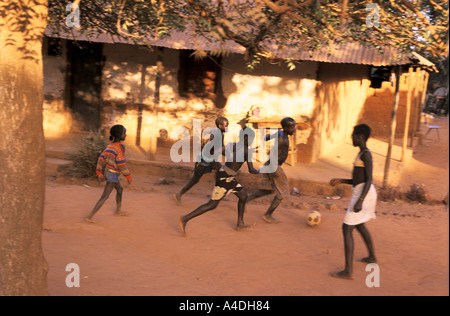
[[259, 25], [85, 155]]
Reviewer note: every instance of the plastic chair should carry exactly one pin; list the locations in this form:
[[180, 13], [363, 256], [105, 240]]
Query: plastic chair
[[431, 127]]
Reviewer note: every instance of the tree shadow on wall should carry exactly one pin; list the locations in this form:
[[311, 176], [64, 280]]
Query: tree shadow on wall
[[22, 22]]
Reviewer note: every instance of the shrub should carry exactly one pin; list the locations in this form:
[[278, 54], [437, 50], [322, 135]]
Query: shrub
[[85, 155], [389, 194], [417, 193]]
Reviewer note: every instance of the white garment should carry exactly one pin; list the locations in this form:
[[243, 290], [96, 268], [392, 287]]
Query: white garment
[[368, 206]]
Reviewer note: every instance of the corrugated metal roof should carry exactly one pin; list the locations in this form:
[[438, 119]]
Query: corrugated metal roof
[[349, 52], [177, 40]]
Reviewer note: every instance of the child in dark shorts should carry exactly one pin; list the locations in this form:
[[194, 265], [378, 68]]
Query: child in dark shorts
[[203, 167], [226, 183], [110, 165]]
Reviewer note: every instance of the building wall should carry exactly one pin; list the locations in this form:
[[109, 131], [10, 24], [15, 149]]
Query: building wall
[[128, 89], [326, 99], [340, 97], [57, 120], [128, 94], [379, 104], [277, 91]]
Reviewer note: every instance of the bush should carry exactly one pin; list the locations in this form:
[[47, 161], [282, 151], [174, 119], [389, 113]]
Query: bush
[[417, 193], [389, 194], [85, 155]]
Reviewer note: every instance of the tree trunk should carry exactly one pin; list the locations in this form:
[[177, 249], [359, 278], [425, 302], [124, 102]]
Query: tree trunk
[[23, 269]]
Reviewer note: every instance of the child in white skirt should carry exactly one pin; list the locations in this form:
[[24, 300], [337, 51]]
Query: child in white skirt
[[362, 203]]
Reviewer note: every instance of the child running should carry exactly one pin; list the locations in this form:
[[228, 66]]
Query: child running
[[227, 183], [277, 179], [205, 165], [109, 165], [362, 203]]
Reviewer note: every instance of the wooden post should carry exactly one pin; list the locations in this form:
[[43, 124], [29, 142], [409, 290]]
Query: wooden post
[[393, 126], [154, 129], [422, 97], [141, 98], [419, 79], [411, 80]]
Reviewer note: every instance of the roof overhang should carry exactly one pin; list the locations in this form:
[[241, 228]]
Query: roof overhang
[[348, 52]]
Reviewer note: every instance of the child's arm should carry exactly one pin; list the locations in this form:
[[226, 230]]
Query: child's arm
[[121, 164], [271, 136], [100, 166]]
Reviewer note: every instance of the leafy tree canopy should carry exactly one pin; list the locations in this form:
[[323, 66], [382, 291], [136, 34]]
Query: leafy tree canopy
[[420, 26]]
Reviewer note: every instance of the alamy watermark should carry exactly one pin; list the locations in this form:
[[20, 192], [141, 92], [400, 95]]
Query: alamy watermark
[[256, 146], [373, 19], [373, 278], [73, 18], [73, 278]]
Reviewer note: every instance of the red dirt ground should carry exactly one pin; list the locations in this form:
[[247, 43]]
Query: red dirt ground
[[145, 253]]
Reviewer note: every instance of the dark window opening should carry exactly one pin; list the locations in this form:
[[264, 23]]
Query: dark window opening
[[85, 82], [54, 46], [200, 78], [378, 75]]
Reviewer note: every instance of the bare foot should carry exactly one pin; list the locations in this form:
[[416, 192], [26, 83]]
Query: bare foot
[[342, 275], [242, 226], [269, 219], [177, 198], [369, 260], [182, 225], [87, 219]]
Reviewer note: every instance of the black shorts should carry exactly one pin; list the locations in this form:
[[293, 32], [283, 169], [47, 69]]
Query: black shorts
[[225, 184], [203, 167]]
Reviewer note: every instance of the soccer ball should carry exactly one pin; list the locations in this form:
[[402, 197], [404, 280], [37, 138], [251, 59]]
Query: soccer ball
[[313, 219]]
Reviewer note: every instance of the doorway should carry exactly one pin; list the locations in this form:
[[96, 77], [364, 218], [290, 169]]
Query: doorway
[[85, 82]]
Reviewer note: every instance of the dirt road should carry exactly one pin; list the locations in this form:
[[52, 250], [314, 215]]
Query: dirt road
[[145, 253]]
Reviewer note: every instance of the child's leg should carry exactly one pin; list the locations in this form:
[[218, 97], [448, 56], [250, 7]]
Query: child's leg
[[347, 273], [193, 181], [268, 215], [119, 190], [347, 231], [362, 229], [212, 204], [109, 186], [259, 194], [242, 195]]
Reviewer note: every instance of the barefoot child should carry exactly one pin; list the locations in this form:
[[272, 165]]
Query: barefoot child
[[362, 203], [204, 166], [227, 183], [109, 165], [277, 179]]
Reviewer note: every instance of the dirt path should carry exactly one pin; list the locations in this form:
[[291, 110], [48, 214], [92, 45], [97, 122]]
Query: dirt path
[[430, 162], [145, 254]]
